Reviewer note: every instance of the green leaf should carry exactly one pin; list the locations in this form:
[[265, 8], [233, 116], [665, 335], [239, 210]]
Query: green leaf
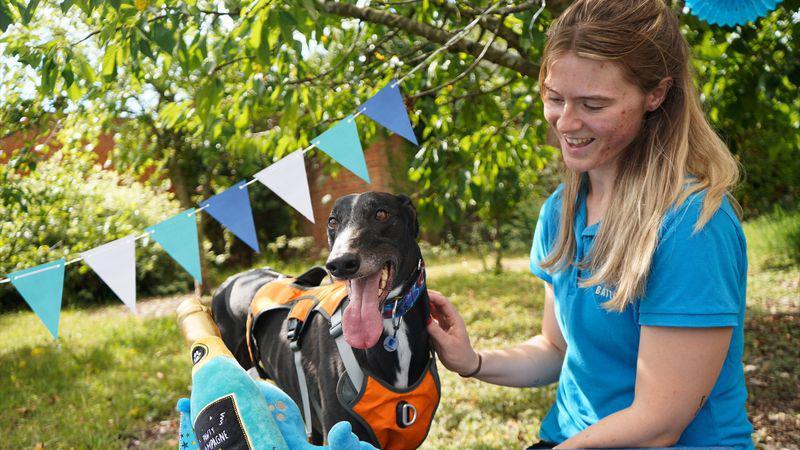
[[255, 32], [287, 25], [27, 13], [68, 77], [75, 92], [110, 62], [66, 5], [144, 45], [164, 37], [243, 118], [5, 16]]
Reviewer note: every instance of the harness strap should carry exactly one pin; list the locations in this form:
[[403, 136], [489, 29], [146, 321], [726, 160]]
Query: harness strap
[[301, 380], [345, 351]]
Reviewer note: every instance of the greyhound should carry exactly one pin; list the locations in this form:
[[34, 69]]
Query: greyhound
[[373, 250]]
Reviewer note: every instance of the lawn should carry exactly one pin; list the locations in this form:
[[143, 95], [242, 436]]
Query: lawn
[[112, 379]]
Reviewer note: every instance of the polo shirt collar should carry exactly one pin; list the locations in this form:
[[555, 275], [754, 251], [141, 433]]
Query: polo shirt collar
[[580, 227]]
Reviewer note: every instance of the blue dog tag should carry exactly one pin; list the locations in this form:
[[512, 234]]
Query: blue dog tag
[[390, 343]]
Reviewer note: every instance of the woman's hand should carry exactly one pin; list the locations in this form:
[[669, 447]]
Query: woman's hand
[[449, 334]]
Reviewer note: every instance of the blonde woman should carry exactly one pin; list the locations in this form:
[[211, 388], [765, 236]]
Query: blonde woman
[[640, 249]]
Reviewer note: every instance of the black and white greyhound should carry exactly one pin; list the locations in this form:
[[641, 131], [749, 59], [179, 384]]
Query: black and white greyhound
[[372, 239]]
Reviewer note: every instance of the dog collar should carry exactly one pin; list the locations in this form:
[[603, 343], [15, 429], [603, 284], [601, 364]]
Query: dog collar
[[400, 305]]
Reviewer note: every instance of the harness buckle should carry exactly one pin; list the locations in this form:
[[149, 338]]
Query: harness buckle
[[406, 414], [336, 330], [293, 329]]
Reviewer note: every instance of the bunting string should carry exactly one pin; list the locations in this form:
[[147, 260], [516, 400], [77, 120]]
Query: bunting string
[[114, 261]]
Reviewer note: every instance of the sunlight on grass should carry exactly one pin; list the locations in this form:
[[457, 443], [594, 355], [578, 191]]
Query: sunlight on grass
[[106, 380]]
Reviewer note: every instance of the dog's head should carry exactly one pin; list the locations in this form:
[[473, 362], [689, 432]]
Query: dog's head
[[372, 237]]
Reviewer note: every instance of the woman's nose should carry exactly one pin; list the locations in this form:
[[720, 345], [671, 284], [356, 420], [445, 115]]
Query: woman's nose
[[569, 120]]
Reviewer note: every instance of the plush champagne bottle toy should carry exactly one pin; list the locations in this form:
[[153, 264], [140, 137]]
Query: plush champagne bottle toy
[[230, 410]]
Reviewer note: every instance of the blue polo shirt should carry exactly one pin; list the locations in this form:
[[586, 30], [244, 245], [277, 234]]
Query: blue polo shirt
[[695, 280]]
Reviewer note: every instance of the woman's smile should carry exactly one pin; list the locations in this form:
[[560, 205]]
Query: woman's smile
[[595, 111]]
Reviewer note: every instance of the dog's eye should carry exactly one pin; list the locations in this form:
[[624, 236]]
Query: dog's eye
[[333, 223], [381, 215]]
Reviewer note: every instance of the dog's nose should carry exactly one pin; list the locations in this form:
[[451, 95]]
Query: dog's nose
[[344, 266]]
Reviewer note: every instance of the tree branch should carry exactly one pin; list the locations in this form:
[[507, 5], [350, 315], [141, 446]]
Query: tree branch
[[493, 24], [115, 30], [457, 78], [499, 57]]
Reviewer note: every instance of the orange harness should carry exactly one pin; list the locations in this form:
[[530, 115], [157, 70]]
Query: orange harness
[[396, 418]]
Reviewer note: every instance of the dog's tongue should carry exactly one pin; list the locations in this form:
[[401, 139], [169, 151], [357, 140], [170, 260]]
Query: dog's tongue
[[362, 323]]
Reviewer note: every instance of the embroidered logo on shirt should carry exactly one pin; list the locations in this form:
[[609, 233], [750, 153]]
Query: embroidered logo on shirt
[[603, 292]]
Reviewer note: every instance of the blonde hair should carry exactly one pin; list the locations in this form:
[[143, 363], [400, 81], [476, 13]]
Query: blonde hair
[[675, 154]]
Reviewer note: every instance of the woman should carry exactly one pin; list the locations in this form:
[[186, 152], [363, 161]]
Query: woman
[[641, 252]]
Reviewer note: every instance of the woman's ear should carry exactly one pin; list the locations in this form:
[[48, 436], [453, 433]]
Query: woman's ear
[[655, 97]]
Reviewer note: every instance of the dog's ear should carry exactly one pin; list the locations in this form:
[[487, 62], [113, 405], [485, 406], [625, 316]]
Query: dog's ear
[[409, 215]]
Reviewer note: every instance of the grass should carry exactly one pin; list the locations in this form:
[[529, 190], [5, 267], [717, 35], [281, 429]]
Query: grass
[[113, 379], [107, 380]]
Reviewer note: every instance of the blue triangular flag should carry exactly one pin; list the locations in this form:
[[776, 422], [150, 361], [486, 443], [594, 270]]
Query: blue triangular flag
[[387, 108], [41, 287], [178, 236], [231, 208], [341, 142]]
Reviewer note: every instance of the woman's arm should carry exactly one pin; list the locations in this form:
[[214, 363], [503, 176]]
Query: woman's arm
[[535, 362], [676, 370]]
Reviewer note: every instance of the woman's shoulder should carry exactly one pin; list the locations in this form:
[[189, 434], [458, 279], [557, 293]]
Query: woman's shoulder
[[683, 218]]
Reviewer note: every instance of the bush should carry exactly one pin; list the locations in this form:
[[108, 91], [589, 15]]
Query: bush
[[67, 205]]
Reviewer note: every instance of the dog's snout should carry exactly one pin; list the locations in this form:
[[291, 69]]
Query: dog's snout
[[344, 266]]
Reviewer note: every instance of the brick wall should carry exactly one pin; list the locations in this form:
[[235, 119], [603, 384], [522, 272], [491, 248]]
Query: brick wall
[[105, 144], [386, 162]]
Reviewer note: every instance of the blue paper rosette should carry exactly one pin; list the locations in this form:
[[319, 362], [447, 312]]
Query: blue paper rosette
[[730, 12]]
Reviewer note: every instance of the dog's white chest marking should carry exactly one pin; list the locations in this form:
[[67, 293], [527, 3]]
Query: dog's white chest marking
[[403, 353]]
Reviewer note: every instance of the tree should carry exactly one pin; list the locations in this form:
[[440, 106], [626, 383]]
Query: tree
[[219, 89]]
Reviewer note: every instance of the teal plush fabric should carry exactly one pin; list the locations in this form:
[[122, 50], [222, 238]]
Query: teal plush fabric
[[268, 416]]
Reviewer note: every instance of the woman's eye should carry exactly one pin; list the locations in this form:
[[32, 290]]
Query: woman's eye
[[555, 100], [381, 215], [333, 223], [594, 107]]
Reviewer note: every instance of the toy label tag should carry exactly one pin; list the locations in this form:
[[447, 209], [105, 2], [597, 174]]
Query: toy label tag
[[219, 426]]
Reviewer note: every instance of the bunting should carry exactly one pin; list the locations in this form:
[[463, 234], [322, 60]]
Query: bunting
[[178, 236], [287, 179], [341, 142], [115, 264], [232, 209], [387, 108], [41, 287]]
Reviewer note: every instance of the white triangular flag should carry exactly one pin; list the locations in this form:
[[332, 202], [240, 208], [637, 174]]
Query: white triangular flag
[[287, 178], [115, 264]]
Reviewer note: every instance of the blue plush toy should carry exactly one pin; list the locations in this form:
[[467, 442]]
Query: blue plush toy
[[228, 409]]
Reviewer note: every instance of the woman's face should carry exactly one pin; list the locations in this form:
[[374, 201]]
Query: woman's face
[[594, 109]]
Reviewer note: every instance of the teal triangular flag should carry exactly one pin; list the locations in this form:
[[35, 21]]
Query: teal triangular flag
[[341, 142], [178, 236], [41, 287]]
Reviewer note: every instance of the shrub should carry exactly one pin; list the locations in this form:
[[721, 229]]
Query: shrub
[[68, 205]]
